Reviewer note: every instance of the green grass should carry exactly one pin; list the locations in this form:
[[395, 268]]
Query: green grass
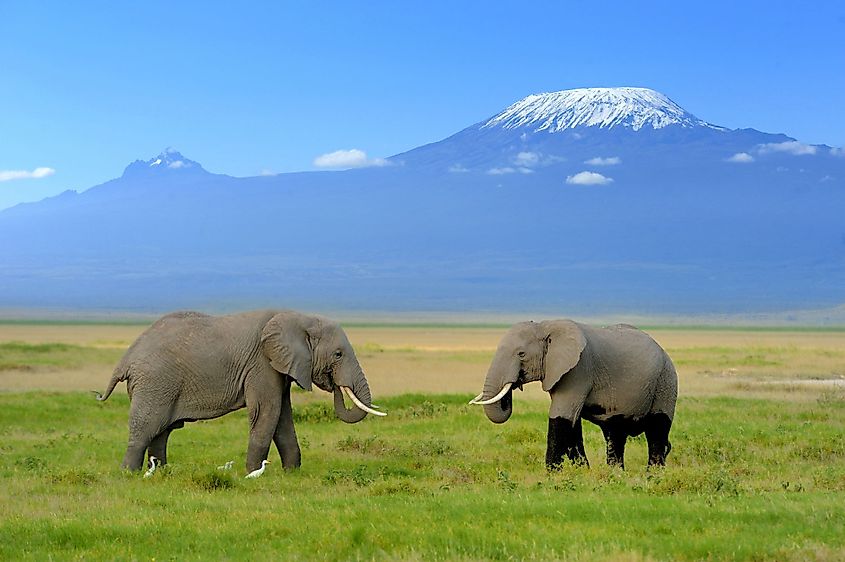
[[809, 329], [31, 356], [747, 479]]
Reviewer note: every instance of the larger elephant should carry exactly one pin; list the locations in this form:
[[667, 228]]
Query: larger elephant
[[190, 366], [617, 377]]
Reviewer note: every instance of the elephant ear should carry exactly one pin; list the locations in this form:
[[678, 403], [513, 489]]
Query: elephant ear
[[287, 340], [565, 342]]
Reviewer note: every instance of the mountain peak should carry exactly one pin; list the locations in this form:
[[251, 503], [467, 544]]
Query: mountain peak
[[633, 108], [167, 160]]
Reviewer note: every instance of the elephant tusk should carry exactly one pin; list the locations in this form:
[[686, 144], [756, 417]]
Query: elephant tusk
[[476, 399], [351, 395], [498, 397]]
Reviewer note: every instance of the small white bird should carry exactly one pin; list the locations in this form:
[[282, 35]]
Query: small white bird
[[227, 466], [258, 471], [153, 463]]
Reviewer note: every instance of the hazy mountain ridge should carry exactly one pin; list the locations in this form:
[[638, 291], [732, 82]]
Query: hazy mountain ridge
[[490, 219]]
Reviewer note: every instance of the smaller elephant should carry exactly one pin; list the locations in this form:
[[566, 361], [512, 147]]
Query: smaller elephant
[[190, 366], [617, 377]]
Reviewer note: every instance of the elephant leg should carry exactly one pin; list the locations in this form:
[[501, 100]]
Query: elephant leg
[[657, 428], [158, 446], [264, 408], [144, 426], [285, 435], [615, 437], [565, 439], [579, 443]]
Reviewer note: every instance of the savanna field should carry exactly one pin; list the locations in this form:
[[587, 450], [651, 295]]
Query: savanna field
[[756, 472]]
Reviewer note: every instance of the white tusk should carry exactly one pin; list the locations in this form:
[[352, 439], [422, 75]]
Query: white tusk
[[476, 399], [374, 407], [351, 395], [498, 397]]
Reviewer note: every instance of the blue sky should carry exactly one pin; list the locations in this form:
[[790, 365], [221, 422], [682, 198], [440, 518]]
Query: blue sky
[[87, 87]]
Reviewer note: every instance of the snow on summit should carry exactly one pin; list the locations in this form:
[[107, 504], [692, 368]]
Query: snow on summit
[[168, 159], [634, 108]]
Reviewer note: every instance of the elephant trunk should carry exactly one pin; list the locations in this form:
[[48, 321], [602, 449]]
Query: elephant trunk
[[500, 373], [360, 389], [500, 412]]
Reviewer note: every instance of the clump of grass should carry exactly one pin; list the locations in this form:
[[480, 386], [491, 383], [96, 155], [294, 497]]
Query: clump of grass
[[834, 396], [213, 480], [717, 481], [561, 480], [524, 436], [505, 481], [460, 474], [393, 488], [317, 412], [434, 447], [74, 477], [32, 464], [360, 476], [425, 409], [366, 446]]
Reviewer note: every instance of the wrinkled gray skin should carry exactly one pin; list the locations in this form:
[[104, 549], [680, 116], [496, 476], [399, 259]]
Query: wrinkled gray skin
[[616, 377], [190, 366]]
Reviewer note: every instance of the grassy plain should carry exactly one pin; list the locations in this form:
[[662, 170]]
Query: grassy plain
[[757, 470]]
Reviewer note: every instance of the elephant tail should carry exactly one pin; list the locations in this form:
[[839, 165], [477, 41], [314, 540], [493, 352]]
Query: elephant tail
[[120, 374]]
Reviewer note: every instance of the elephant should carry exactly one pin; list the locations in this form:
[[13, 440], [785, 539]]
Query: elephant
[[616, 377], [190, 366]]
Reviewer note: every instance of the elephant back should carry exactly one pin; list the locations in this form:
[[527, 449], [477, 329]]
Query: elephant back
[[631, 370]]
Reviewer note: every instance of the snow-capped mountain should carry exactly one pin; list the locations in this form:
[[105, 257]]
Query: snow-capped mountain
[[580, 125], [168, 159], [599, 200], [634, 108]]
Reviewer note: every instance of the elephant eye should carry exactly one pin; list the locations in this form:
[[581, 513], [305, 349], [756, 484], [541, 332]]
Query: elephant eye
[[338, 354], [521, 354]]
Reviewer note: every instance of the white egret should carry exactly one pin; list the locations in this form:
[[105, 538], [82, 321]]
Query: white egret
[[258, 471], [152, 469], [227, 466]]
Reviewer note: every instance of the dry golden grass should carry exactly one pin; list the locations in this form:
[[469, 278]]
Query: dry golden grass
[[444, 359]]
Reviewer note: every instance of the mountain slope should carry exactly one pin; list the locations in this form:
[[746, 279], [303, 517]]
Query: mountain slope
[[588, 204]]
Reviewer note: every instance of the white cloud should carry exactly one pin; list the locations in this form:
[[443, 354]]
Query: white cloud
[[501, 171], [789, 147], [740, 158], [599, 161], [509, 170], [343, 159], [176, 164], [527, 159], [458, 169], [37, 173], [837, 151], [265, 172], [588, 178]]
